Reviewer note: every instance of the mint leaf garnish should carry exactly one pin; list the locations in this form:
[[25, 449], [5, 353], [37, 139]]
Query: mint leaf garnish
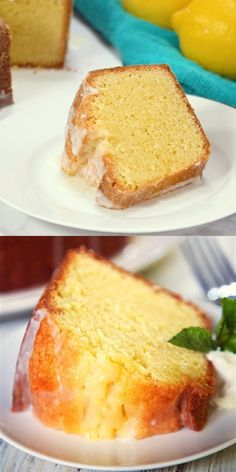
[[229, 313], [230, 344], [195, 338], [222, 332], [226, 328], [202, 340]]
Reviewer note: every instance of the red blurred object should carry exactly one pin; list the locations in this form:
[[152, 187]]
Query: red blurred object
[[27, 261]]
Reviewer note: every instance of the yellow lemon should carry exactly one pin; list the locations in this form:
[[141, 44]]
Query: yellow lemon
[[207, 33], [156, 11]]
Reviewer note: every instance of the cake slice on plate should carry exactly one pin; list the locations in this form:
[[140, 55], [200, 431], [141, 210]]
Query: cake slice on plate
[[39, 31], [132, 134], [5, 68], [96, 360]]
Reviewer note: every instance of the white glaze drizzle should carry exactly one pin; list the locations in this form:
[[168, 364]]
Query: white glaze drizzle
[[77, 136], [21, 375], [193, 180], [105, 202], [88, 89], [3, 94], [102, 200], [76, 133], [93, 171]]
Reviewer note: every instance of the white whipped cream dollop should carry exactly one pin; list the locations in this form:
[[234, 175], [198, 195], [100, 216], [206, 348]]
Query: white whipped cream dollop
[[225, 365]]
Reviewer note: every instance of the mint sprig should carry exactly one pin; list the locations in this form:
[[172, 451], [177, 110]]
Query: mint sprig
[[203, 340], [195, 338]]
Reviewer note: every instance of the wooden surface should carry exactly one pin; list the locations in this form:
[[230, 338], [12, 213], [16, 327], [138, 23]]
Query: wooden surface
[[13, 460]]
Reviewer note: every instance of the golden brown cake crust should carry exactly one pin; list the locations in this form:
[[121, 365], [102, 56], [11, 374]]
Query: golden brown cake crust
[[120, 197], [157, 407], [6, 97], [65, 31]]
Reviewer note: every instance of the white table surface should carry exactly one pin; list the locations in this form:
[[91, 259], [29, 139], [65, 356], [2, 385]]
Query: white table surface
[[27, 84], [174, 273]]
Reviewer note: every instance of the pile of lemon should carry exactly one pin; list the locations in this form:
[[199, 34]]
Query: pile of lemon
[[206, 28]]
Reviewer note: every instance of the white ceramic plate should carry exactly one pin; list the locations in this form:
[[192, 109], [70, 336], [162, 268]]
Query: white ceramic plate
[[24, 431], [31, 181], [141, 252]]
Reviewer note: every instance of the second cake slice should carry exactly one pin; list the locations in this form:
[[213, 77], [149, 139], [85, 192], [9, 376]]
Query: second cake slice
[[132, 134], [95, 359]]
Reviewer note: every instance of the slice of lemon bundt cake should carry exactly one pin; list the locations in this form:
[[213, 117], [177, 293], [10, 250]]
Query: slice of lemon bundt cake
[[96, 361], [39, 30], [132, 134]]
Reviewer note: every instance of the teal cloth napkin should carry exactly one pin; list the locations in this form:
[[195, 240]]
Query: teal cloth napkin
[[140, 42]]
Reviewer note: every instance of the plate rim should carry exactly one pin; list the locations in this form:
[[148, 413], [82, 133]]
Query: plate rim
[[135, 229], [110, 230], [116, 468]]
